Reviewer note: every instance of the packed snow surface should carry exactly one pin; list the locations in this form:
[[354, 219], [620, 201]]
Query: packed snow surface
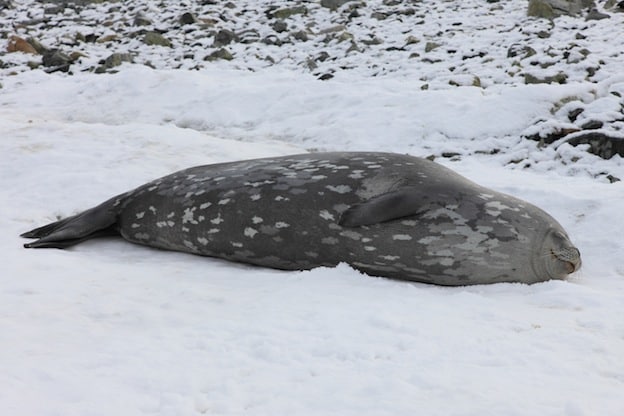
[[112, 328]]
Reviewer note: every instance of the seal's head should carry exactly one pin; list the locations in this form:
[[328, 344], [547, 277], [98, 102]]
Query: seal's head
[[558, 256]]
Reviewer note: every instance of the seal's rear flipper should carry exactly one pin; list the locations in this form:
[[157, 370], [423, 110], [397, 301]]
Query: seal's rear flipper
[[95, 222]]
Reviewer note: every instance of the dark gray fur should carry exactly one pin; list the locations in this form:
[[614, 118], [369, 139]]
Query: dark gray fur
[[385, 214]]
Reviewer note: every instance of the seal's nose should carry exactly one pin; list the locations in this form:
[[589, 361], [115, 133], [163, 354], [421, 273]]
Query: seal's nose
[[572, 257]]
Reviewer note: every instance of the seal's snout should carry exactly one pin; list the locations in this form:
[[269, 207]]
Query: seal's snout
[[572, 257]]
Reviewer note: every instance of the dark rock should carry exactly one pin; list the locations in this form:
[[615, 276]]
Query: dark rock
[[155, 38], [552, 136], [117, 59], [550, 9], [600, 144], [596, 15], [325, 77], [56, 60], [592, 125], [188, 19], [429, 46], [301, 36], [560, 78], [280, 26], [573, 115], [249, 36], [141, 20], [613, 179], [224, 37], [379, 15], [288, 11], [521, 51], [272, 40], [334, 4], [219, 54]]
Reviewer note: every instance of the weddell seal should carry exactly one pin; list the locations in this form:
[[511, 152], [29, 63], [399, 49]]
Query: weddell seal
[[385, 214]]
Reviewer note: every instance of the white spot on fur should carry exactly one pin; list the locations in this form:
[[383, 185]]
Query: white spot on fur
[[202, 240], [224, 201], [356, 174], [140, 215], [326, 215], [141, 236], [217, 220], [188, 216], [390, 258], [370, 248], [250, 232], [340, 189], [318, 177], [410, 223], [256, 220], [153, 209], [213, 230], [281, 224], [135, 225], [237, 244], [171, 215], [255, 197], [402, 237], [205, 205]]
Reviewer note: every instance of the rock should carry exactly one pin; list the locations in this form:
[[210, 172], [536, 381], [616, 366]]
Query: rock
[[429, 46], [155, 38], [114, 60], [379, 15], [521, 51], [615, 5], [552, 135], [56, 60], [280, 26], [560, 78], [289, 11], [334, 4], [592, 125], [17, 44], [106, 38], [411, 40], [141, 20], [613, 179], [300, 35], [600, 144], [117, 59], [594, 14], [249, 36], [219, 54], [573, 115], [224, 37], [549, 9], [37, 45], [188, 19]]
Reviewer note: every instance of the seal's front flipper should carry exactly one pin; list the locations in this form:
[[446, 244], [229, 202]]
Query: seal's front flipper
[[390, 206], [94, 222]]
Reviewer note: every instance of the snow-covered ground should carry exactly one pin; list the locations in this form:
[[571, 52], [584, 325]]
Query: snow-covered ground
[[113, 328]]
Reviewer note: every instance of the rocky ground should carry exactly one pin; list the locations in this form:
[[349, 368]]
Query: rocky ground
[[431, 44]]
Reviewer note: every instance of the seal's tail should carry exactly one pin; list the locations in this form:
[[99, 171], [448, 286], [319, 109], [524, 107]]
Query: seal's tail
[[94, 222]]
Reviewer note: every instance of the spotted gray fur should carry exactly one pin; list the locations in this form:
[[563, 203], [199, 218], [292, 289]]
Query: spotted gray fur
[[385, 214]]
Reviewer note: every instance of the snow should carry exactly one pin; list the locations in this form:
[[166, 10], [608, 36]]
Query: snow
[[114, 328]]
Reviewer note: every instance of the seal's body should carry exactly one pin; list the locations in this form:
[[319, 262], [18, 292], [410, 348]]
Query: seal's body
[[385, 214]]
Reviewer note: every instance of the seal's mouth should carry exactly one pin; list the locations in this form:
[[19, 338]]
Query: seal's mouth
[[570, 257]]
